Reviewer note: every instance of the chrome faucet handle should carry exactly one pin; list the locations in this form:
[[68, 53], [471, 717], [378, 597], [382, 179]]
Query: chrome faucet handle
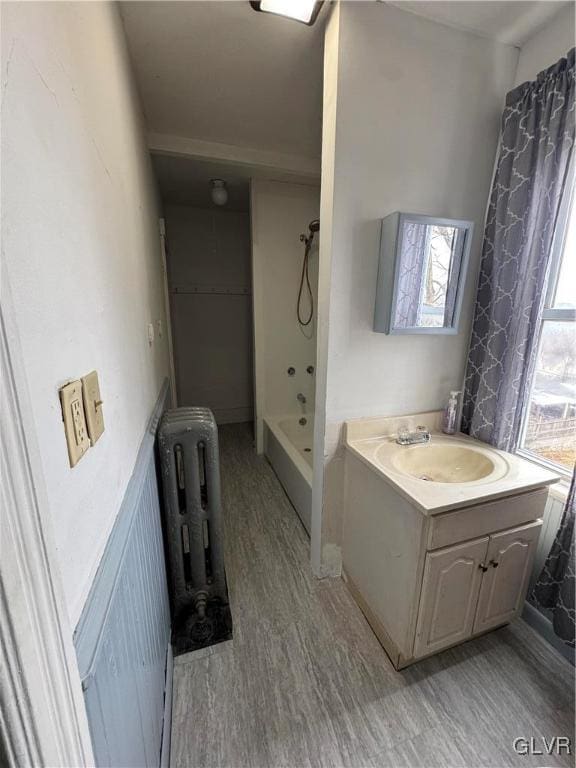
[[425, 432], [420, 435]]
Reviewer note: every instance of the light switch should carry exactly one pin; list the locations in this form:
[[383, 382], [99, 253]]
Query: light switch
[[93, 406], [74, 421]]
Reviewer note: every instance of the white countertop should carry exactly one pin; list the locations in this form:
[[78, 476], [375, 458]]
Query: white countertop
[[373, 439]]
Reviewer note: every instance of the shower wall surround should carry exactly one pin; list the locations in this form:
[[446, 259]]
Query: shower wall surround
[[280, 212], [430, 99]]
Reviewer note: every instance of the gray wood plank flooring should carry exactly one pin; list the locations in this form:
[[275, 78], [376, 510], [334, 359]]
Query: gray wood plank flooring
[[305, 682]]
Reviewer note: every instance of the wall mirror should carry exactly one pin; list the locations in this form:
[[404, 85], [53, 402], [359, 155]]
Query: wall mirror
[[421, 273]]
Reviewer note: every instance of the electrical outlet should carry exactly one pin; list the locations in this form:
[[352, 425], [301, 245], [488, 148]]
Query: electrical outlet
[[92, 406], [159, 328], [150, 333], [75, 428]]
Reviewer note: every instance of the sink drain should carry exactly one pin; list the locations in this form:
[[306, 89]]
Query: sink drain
[[425, 477]]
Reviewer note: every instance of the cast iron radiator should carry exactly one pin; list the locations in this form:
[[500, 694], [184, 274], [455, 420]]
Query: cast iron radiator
[[188, 443]]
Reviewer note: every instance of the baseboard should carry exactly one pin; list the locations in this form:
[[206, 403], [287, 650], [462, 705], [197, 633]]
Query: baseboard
[[167, 723], [233, 415], [543, 626]]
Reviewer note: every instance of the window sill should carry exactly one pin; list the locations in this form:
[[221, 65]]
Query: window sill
[[558, 490]]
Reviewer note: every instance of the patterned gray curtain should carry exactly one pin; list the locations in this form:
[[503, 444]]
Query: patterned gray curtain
[[554, 590], [532, 171]]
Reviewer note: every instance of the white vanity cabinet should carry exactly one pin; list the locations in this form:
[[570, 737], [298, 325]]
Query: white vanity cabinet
[[438, 538], [426, 579], [472, 587]]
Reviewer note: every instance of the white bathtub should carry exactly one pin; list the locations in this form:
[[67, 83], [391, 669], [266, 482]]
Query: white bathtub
[[288, 447]]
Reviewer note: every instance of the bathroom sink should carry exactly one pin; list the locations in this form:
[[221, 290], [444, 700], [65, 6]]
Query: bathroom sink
[[449, 472], [443, 460], [443, 463]]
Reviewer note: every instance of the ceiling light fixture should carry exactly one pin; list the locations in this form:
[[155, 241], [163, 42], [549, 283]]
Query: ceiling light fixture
[[305, 11], [219, 191]]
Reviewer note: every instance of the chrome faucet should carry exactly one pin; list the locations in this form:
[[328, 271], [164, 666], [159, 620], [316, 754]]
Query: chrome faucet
[[301, 398], [421, 435]]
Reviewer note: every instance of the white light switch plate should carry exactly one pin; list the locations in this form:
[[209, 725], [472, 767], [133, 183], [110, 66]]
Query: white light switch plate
[[93, 406], [74, 421]]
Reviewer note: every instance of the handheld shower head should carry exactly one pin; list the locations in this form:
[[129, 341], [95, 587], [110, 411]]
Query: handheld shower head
[[313, 227]]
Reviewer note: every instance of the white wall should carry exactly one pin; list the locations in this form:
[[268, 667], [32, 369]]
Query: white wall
[[279, 214], [415, 129], [546, 46], [210, 299], [81, 250], [319, 551]]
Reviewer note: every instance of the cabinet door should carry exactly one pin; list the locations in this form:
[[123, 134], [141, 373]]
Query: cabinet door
[[509, 559], [450, 587]]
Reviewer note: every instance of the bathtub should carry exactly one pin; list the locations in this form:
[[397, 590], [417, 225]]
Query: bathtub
[[288, 447]]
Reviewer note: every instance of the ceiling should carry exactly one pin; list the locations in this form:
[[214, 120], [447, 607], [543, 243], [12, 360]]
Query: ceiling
[[185, 181], [221, 72], [510, 22]]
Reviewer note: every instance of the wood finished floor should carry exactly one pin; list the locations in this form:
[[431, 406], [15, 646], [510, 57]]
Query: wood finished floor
[[304, 682]]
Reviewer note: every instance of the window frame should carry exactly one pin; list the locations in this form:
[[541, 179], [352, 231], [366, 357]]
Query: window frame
[[550, 313]]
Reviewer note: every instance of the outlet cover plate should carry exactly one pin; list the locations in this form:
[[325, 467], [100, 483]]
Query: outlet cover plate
[[93, 406], [75, 428]]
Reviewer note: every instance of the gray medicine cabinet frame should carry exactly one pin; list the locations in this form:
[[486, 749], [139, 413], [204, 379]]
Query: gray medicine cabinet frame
[[388, 271]]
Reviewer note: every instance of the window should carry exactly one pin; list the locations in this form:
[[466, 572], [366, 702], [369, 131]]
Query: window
[[549, 425]]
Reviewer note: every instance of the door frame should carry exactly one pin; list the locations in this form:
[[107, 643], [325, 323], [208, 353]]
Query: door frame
[[42, 714], [168, 310]]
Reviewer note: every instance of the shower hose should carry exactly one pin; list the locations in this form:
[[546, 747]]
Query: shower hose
[[305, 277]]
